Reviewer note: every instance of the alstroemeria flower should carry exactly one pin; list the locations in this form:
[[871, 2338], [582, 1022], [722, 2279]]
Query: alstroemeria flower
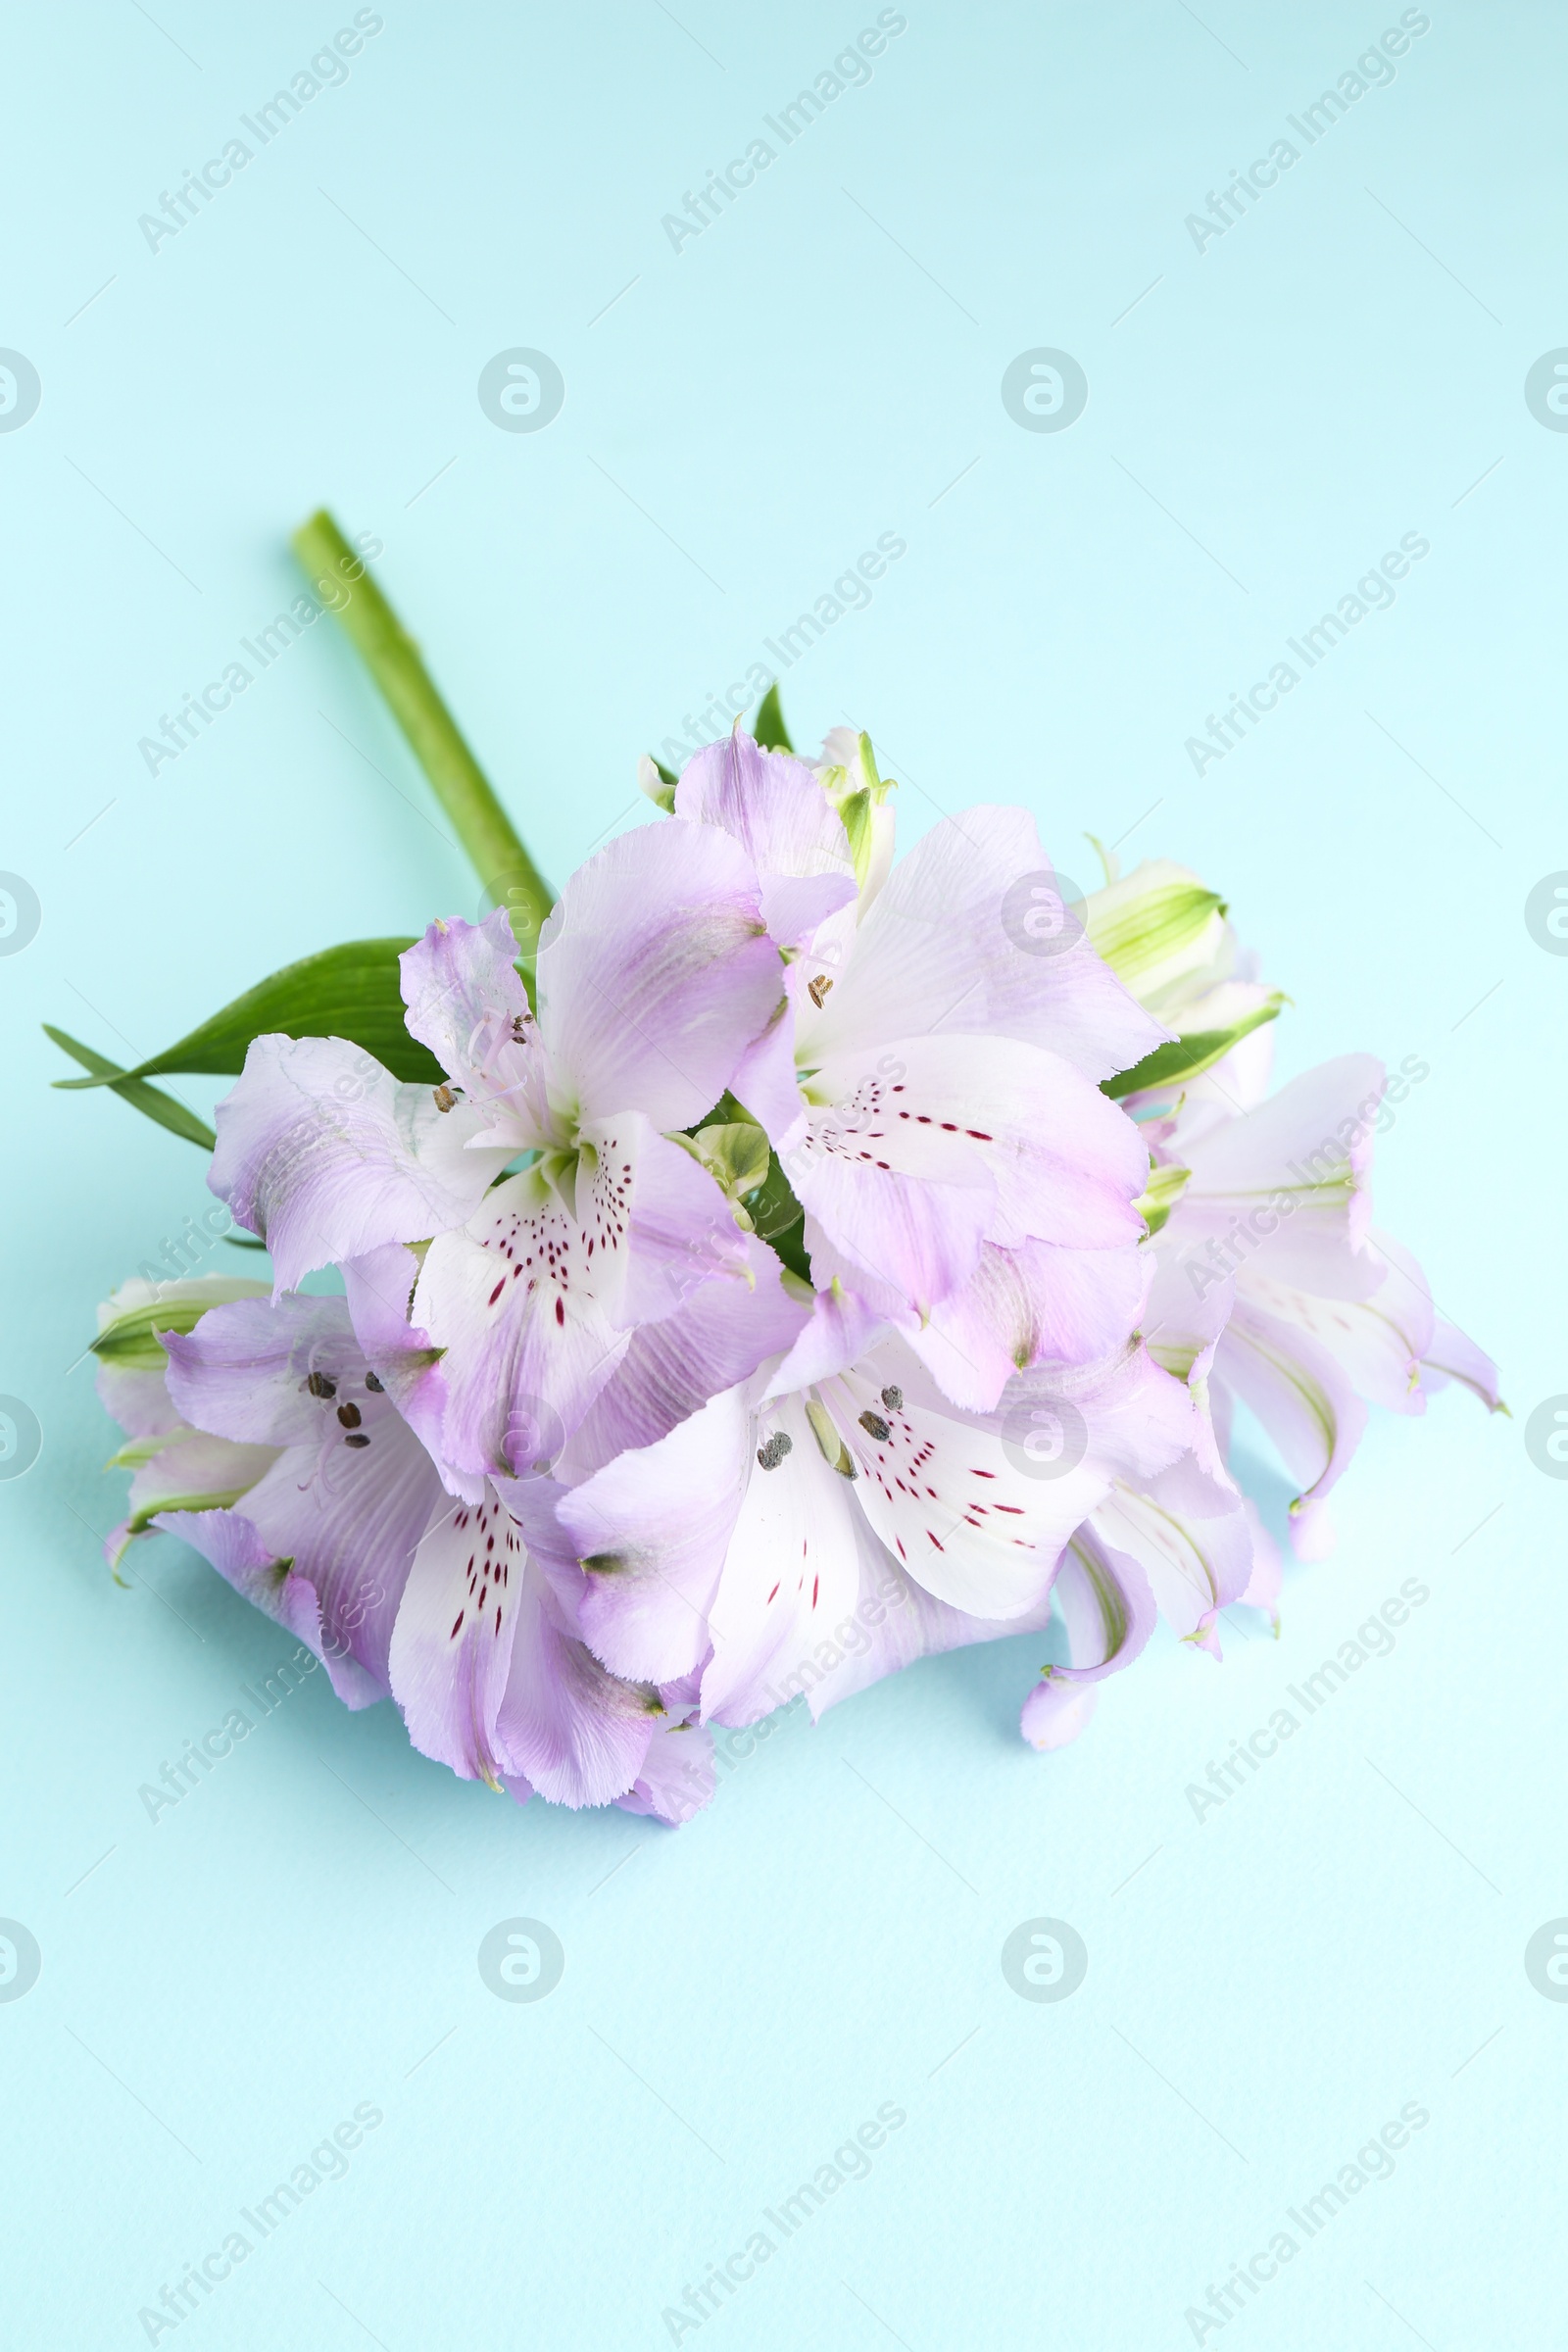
[[654, 974], [734, 1546], [461, 1611], [1270, 1283], [932, 1084]]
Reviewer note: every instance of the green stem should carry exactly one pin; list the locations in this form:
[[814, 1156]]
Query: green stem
[[338, 576]]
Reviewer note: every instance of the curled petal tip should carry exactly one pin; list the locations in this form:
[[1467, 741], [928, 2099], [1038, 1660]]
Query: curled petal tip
[[1056, 1711]]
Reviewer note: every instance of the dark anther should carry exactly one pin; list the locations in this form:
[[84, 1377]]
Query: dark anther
[[817, 988], [779, 1446], [875, 1427], [320, 1386], [357, 1437], [372, 1384], [444, 1098], [349, 1415], [893, 1399]]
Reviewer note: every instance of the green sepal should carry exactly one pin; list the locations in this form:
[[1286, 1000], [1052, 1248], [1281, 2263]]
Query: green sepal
[[350, 992], [735, 1154], [769, 727], [856, 814], [1154, 928], [140, 1521], [151, 1100], [128, 1342], [1160, 1194], [1185, 1058]]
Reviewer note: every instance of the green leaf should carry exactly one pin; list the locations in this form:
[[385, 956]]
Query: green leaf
[[150, 1100], [350, 992], [769, 728], [1189, 1057]]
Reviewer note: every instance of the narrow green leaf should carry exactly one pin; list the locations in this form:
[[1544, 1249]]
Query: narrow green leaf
[[1187, 1056], [150, 1100], [769, 728], [350, 992]]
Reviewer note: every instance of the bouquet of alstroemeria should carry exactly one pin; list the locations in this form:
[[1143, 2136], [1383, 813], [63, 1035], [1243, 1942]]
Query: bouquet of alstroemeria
[[767, 1265]]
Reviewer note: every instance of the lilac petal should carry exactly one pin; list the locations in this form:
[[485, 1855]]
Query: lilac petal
[[351, 1521], [794, 1573], [511, 1299], [1378, 1342], [379, 1290], [245, 1560], [1312, 1533], [1036, 1304], [653, 1531], [845, 1324], [1190, 1302], [326, 1156], [269, 1373], [452, 1643], [936, 951], [1058, 1161], [579, 1733], [791, 834], [1286, 1186], [468, 1003], [963, 1500], [891, 1623], [680, 1229], [1057, 1711], [1450, 1355], [1067, 1163], [195, 1471], [138, 1400], [914, 1224], [1197, 1559], [1298, 1393], [531, 1304], [655, 972], [1106, 1604], [717, 1340], [352, 1494], [676, 1780], [765, 1083]]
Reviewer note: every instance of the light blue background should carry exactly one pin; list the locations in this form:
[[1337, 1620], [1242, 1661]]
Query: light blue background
[[1340, 369]]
